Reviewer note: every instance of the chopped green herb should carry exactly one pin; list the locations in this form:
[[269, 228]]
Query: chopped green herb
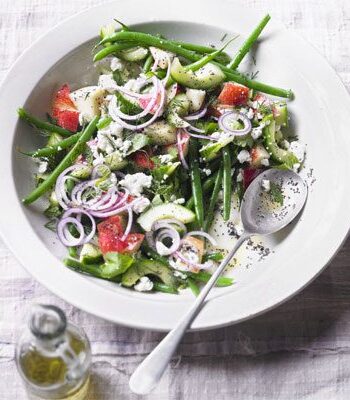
[[276, 193]]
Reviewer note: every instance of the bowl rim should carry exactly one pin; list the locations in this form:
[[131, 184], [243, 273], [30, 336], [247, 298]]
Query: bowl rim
[[62, 281]]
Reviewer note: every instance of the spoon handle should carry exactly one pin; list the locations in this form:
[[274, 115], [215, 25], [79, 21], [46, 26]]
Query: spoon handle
[[149, 372]]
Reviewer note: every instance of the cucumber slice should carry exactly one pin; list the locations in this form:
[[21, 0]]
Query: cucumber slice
[[134, 54], [144, 267], [281, 116], [208, 77], [161, 133], [279, 155], [167, 210], [115, 161], [90, 254], [82, 173], [177, 108], [211, 150]]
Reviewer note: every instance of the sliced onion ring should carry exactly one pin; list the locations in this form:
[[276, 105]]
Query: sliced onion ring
[[204, 234], [197, 115], [226, 118]]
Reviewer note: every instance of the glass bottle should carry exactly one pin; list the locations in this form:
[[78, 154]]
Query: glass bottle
[[53, 357]]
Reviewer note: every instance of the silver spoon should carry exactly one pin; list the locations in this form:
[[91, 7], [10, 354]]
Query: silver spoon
[[260, 216]]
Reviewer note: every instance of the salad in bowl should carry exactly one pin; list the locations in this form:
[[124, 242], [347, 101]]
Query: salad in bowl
[[138, 165]]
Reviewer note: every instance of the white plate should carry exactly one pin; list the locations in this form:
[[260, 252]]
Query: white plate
[[320, 114]]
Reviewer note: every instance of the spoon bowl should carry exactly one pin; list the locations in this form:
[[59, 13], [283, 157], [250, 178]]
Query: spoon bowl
[[272, 201]]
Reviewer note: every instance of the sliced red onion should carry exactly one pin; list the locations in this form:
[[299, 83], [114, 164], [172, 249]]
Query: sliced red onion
[[205, 137], [204, 234], [167, 76], [60, 189], [65, 236], [229, 116], [111, 211], [167, 222], [153, 99], [180, 150], [130, 92], [129, 225], [194, 129], [113, 106], [197, 115], [155, 65], [194, 265], [173, 235], [62, 228]]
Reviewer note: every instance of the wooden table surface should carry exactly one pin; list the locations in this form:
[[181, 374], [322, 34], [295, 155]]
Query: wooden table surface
[[300, 350]]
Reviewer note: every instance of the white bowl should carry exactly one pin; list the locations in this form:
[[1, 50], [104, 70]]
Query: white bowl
[[320, 115]]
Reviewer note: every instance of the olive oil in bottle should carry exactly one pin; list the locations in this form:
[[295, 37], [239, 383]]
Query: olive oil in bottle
[[53, 357]]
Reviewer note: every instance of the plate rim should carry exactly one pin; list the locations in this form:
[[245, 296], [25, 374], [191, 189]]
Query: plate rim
[[9, 234]]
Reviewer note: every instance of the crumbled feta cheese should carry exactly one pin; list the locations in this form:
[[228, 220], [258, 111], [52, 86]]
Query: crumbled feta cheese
[[42, 168], [165, 177], [298, 149], [256, 132], [207, 171], [285, 144], [165, 158], [265, 162], [248, 112], [125, 146], [162, 56], [180, 275], [144, 284], [117, 64], [105, 143], [135, 183], [196, 98], [266, 185], [140, 204], [112, 129], [107, 82], [239, 177], [243, 156], [179, 201]]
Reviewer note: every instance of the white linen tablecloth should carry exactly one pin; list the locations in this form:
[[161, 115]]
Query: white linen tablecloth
[[300, 350]]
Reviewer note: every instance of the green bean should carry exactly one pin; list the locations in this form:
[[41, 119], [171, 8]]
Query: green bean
[[161, 287], [67, 161], [205, 276], [72, 251], [149, 40], [103, 122], [222, 57], [148, 251], [207, 58], [252, 38], [206, 187], [193, 286], [215, 256], [227, 182], [55, 148], [147, 64], [196, 181], [213, 201], [42, 125], [113, 48]]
